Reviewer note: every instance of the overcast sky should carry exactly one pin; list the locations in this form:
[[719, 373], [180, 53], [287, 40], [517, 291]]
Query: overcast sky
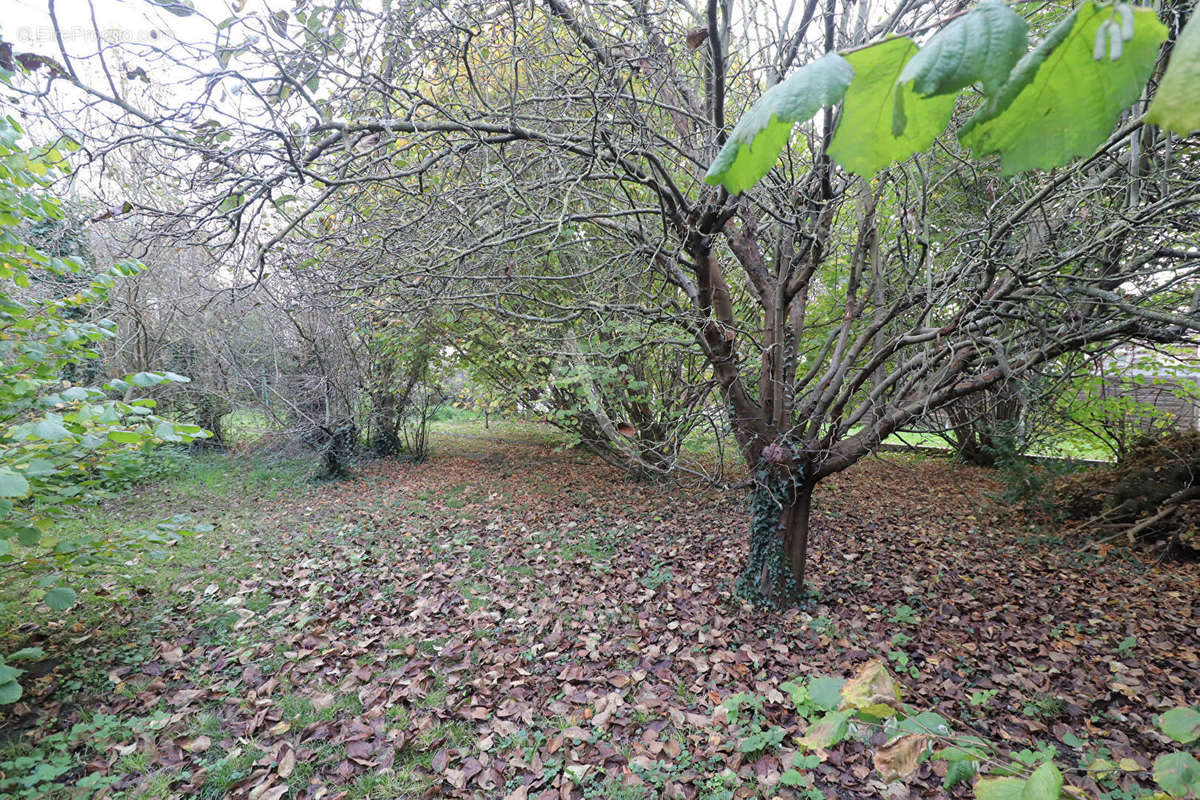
[[26, 23]]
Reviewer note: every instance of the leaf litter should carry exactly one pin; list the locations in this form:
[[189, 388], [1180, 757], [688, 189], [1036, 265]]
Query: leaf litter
[[520, 626]]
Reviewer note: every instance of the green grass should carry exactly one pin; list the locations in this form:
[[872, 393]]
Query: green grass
[[125, 607], [1081, 448], [246, 425]]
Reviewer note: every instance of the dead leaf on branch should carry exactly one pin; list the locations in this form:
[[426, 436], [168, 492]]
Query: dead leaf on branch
[[899, 759]]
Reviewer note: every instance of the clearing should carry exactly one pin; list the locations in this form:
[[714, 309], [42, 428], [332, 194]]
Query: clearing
[[509, 620]]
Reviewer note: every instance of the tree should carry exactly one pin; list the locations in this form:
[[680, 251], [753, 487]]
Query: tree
[[831, 307]]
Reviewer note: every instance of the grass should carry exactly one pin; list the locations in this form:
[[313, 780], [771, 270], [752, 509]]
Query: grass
[[246, 425], [124, 606]]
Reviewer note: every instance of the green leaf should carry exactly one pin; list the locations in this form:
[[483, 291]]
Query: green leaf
[[230, 203], [826, 692], [1181, 724], [793, 777], [40, 468], [51, 430], [1045, 783], [10, 692], [925, 722], [60, 598], [958, 772], [8, 673], [147, 379], [125, 437], [866, 141], [1175, 106], [1178, 773], [166, 432], [964, 748], [26, 654], [999, 789], [982, 46], [1060, 102], [28, 535], [756, 141], [12, 484], [827, 731]]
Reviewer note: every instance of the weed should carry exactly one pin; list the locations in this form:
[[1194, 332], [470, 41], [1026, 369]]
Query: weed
[[1045, 707], [905, 615]]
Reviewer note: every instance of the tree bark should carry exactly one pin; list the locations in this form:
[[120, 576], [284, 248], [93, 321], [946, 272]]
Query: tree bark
[[779, 524], [793, 528]]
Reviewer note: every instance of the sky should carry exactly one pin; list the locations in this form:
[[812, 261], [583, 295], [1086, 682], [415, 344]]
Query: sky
[[26, 23]]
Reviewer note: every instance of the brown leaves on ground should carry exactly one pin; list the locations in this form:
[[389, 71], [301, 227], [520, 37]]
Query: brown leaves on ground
[[527, 625]]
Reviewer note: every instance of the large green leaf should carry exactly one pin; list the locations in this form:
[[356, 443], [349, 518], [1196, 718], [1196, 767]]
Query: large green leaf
[[1060, 102], [26, 654], [60, 598], [865, 141], [1181, 724], [28, 535], [826, 692], [982, 46], [10, 692], [999, 789], [757, 139], [51, 430], [827, 731], [1176, 105], [1178, 773], [12, 484], [1045, 783]]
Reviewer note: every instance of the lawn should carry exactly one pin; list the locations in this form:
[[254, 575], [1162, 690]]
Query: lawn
[[513, 620]]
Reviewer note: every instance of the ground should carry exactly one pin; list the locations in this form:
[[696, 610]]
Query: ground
[[513, 620]]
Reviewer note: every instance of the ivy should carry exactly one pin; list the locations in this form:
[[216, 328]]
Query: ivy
[[768, 564]]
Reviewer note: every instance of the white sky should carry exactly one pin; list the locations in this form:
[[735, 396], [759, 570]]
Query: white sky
[[26, 23]]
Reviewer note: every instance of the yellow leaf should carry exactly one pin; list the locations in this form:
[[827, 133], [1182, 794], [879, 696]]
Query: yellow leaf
[[197, 745], [872, 691], [825, 732]]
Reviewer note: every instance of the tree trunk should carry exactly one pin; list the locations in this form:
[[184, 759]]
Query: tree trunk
[[779, 515], [793, 527]]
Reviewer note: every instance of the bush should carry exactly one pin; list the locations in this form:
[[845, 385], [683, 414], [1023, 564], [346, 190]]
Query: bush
[[62, 439]]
